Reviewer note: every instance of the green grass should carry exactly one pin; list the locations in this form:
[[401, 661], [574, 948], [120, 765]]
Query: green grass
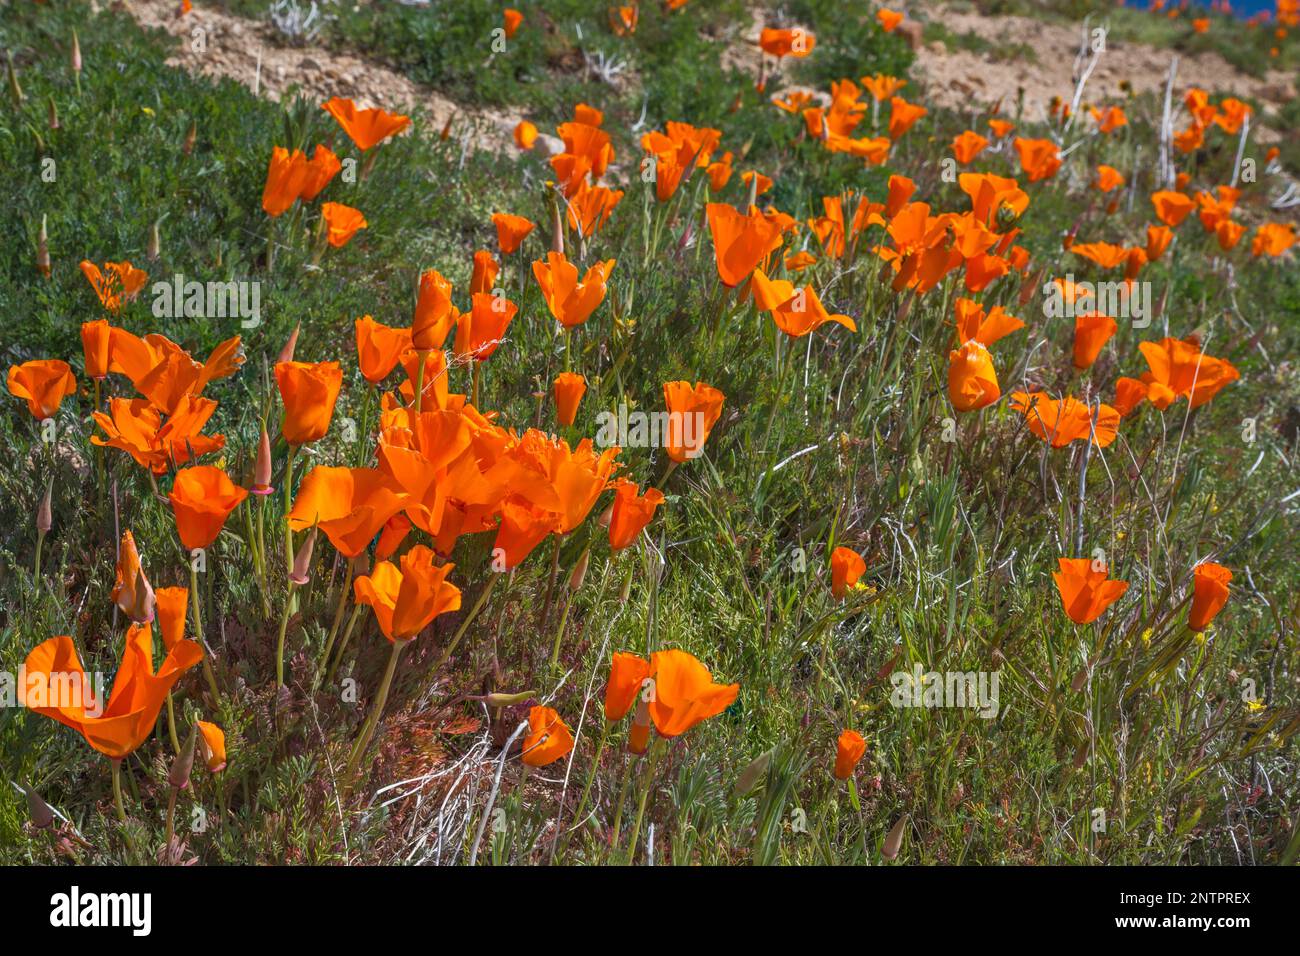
[[959, 538]]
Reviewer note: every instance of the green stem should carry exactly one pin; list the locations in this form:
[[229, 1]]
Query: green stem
[[622, 797], [198, 634], [647, 781], [419, 380], [464, 625], [118, 805], [338, 615], [343, 644], [586, 790], [288, 506], [171, 724], [376, 710], [559, 632], [36, 569], [284, 628]]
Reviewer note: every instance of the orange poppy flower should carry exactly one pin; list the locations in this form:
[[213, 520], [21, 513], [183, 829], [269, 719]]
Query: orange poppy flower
[[341, 223], [132, 592], [800, 260], [1171, 207], [627, 672], [1105, 254], [1273, 239], [990, 195], [1180, 369], [95, 338], [44, 383], [350, 505], [1129, 394], [511, 19], [434, 314], [792, 102], [406, 601], [1061, 422], [888, 19], [902, 115], [511, 231], [849, 749], [115, 284], [134, 426], [967, 146], [202, 497], [757, 181], [685, 693], [1000, 127], [1108, 178], [974, 324], [482, 329], [1158, 240], [1092, 330], [571, 301], [213, 741], [1085, 591], [1039, 158], [590, 207], [1201, 24], [309, 393], [569, 389], [795, 42], [1228, 234], [57, 686], [847, 567], [484, 275], [1109, 119], [172, 605], [1231, 115], [435, 391], [523, 527], [623, 20], [630, 513], [1209, 594], [881, 86], [802, 311], [525, 134], [365, 128], [972, 379], [379, 348], [287, 175], [703, 403], [740, 242], [547, 740], [321, 168]]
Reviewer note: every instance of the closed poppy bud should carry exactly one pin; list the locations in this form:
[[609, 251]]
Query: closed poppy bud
[[75, 56], [1092, 331], [44, 511], [972, 379], [132, 592], [1210, 594], [262, 468], [202, 497], [153, 249], [434, 313], [309, 393], [43, 251], [630, 514], [627, 672], [485, 273], [53, 114], [178, 778], [548, 738], [847, 567], [38, 811], [579, 572], [849, 749], [525, 135], [213, 741], [1085, 590], [301, 573], [569, 389], [290, 346]]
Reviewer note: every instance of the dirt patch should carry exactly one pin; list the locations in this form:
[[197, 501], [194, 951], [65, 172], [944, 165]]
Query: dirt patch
[[961, 78], [250, 53]]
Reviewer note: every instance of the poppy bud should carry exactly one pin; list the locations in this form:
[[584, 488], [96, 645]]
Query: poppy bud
[[44, 516], [605, 516], [43, 251], [15, 91], [178, 778], [76, 53], [38, 811], [627, 590], [154, 248], [446, 127], [54, 114], [286, 353], [262, 469], [894, 841], [509, 700], [302, 562], [191, 134], [579, 572]]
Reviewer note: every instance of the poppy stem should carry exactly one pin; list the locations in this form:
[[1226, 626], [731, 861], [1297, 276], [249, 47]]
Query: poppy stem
[[171, 723], [118, 805], [279, 642], [473, 392], [171, 822], [343, 644], [550, 583], [288, 506], [419, 380], [464, 625], [647, 781], [622, 797], [668, 473], [36, 569], [365, 425], [338, 616], [376, 710], [198, 634], [586, 790], [559, 632]]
